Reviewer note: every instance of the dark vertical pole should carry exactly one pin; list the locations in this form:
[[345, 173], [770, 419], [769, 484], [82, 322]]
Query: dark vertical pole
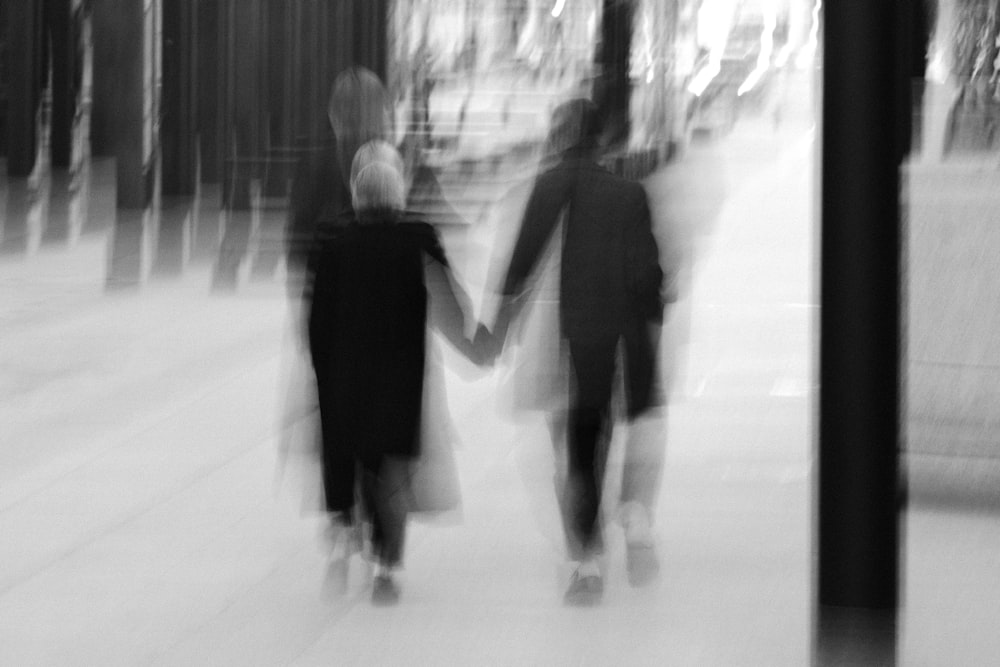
[[612, 88], [859, 420], [105, 84], [19, 66], [210, 65], [129, 120], [242, 126], [59, 51], [209, 55], [4, 79], [59, 38], [178, 139], [24, 48], [134, 175], [179, 104]]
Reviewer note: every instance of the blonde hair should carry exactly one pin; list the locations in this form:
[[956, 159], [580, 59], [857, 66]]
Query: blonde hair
[[378, 186], [375, 151]]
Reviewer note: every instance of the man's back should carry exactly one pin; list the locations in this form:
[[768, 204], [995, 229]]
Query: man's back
[[610, 263]]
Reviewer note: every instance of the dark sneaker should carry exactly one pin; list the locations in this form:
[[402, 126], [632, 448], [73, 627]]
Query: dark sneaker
[[584, 591], [384, 591], [642, 563]]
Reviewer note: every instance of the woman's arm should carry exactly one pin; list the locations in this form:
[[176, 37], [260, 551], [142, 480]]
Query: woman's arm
[[449, 306]]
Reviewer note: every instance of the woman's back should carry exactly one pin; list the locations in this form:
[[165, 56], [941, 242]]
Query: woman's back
[[368, 325]]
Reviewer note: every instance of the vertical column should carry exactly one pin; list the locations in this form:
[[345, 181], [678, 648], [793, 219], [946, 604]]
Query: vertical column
[[209, 63], [178, 138], [613, 89], [207, 230], [865, 102], [23, 85], [59, 38], [276, 143], [242, 123], [19, 69], [133, 61], [105, 21], [59, 60]]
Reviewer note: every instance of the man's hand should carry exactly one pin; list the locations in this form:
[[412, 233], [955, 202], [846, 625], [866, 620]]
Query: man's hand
[[485, 346]]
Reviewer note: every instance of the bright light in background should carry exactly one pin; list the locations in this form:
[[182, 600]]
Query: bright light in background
[[715, 20], [704, 77], [766, 49], [647, 48], [937, 67], [558, 8], [806, 54]]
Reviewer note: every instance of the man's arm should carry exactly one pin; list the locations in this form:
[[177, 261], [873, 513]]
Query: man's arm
[[540, 218]]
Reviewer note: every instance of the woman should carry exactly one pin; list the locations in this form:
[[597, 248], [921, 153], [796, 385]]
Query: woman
[[359, 110], [367, 327]]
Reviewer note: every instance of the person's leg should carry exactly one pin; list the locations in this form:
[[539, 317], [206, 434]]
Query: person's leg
[[337, 462], [583, 490], [383, 493], [558, 423], [644, 451], [341, 533], [593, 372], [338, 470], [384, 488]]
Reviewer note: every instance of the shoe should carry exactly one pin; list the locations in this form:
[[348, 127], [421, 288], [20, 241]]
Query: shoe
[[584, 590], [385, 593], [642, 564]]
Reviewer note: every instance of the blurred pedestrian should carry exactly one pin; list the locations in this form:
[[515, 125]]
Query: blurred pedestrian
[[609, 300], [372, 277], [359, 110]]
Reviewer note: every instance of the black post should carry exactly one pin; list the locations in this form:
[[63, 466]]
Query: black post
[[243, 123], [860, 351], [105, 93], [128, 93], [59, 49], [178, 137], [23, 74], [59, 40], [613, 89]]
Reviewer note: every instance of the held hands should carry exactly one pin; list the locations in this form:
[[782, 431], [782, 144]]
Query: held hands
[[486, 347]]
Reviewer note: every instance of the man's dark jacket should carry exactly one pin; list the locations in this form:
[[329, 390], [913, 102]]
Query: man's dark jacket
[[610, 275]]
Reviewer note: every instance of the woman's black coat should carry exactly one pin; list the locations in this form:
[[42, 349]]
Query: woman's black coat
[[367, 333]]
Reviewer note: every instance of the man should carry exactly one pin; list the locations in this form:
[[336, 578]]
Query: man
[[610, 282]]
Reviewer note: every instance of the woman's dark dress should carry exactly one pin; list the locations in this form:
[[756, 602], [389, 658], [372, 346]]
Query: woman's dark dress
[[367, 333]]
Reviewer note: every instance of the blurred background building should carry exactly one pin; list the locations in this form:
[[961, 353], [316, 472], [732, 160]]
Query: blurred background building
[[203, 113]]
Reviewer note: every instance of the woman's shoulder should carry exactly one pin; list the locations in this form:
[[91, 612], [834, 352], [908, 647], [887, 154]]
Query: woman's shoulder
[[425, 236]]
